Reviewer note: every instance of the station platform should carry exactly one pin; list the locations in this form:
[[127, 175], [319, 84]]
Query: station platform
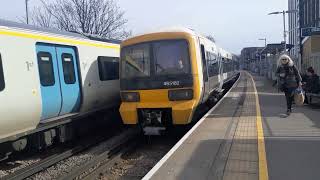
[[247, 136]]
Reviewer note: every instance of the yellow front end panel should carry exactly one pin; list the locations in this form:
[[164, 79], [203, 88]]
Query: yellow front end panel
[[129, 113], [181, 110]]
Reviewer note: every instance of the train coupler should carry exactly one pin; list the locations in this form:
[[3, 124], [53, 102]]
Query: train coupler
[[154, 121]]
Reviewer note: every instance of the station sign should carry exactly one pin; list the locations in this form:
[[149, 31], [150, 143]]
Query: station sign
[[309, 30]]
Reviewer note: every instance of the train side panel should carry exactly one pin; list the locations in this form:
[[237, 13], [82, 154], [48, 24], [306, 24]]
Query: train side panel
[[213, 68], [97, 93], [20, 106]]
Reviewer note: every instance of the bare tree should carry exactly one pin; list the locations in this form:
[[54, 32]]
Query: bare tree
[[102, 18], [40, 17]]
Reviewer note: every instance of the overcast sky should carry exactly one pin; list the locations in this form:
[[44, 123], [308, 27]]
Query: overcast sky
[[234, 23]]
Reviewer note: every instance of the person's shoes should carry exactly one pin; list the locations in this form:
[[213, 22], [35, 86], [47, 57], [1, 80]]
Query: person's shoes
[[289, 112]]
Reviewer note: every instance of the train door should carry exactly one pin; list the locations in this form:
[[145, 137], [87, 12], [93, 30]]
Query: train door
[[59, 80], [205, 73], [49, 81], [69, 79], [220, 76]]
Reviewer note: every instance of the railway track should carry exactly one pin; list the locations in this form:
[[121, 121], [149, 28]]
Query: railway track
[[96, 166], [117, 143]]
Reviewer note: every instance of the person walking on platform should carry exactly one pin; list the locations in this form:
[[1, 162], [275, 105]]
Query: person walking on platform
[[289, 79]]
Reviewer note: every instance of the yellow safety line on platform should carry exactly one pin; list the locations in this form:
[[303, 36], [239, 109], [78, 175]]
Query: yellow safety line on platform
[[263, 167]]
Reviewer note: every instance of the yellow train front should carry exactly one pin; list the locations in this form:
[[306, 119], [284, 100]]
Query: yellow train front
[[162, 77]]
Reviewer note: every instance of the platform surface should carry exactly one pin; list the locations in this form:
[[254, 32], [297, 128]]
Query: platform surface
[[246, 136]]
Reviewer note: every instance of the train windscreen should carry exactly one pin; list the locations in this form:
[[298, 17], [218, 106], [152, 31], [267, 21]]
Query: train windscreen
[[136, 61], [158, 58], [171, 57]]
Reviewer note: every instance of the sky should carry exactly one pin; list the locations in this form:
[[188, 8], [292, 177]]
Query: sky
[[235, 24]]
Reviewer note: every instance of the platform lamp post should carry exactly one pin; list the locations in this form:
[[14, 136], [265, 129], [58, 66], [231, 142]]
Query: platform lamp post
[[284, 24], [265, 45], [27, 10]]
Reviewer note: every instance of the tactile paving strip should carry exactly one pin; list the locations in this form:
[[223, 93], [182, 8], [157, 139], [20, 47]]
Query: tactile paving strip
[[243, 161]]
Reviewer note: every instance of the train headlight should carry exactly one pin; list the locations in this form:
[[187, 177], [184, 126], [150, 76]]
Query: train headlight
[[180, 95], [130, 97]]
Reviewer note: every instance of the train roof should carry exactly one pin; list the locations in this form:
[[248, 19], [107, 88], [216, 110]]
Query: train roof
[[16, 25], [183, 30], [168, 30]]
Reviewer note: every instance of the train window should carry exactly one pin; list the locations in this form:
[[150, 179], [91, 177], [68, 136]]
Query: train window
[[207, 56], [209, 63], [171, 57], [2, 83], [226, 66], [204, 63], [68, 68], [108, 68], [213, 65], [46, 69], [136, 61]]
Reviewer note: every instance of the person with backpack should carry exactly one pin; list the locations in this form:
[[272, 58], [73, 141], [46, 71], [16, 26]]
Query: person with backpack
[[289, 79]]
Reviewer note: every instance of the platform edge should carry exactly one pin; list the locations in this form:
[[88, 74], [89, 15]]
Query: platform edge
[[183, 139]]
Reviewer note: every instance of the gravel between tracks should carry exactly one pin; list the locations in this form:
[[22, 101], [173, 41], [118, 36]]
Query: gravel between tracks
[[67, 165], [11, 167], [138, 163]]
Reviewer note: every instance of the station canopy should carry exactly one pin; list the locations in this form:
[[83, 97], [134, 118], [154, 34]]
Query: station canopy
[[275, 48]]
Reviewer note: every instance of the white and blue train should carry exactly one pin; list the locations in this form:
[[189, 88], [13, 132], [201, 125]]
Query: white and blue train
[[47, 75]]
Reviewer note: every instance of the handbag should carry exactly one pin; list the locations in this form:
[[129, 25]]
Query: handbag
[[299, 96]]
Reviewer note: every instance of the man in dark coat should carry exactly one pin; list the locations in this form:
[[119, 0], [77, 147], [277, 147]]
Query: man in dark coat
[[289, 79], [312, 81]]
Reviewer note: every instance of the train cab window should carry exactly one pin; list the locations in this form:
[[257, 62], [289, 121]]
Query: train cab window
[[171, 57], [108, 68], [46, 69], [136, 61], [2, 83], [68, 68]]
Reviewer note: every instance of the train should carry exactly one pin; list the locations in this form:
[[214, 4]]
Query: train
[[166, 75], [48, 75]]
